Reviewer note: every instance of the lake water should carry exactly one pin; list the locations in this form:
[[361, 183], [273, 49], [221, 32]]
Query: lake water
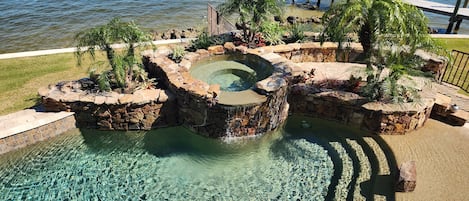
[[27, 25]]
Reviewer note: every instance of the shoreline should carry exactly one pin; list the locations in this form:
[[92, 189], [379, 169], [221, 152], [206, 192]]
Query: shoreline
[[51, 29], [158, 42], [73, 49]]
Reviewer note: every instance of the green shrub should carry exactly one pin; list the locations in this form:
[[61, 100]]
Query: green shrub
[[296, 33], [203, 41], [272, 33], [178, 53]]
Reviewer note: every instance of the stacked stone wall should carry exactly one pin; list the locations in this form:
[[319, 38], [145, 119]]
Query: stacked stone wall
[[142, 110], [355, 111], [198, 101]]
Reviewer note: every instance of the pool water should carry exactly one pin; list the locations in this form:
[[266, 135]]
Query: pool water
[[233, 72], [230, 75], [296, 162]]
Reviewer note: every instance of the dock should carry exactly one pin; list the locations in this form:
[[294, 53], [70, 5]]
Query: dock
[[439, 8], [456, 13]]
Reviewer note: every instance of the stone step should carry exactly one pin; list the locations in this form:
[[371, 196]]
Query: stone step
[[442, 104], [458, 118], [442, 111]]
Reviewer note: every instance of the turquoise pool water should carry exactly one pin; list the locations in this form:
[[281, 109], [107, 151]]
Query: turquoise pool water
[[233, 72], [294, 163], [230, 75]]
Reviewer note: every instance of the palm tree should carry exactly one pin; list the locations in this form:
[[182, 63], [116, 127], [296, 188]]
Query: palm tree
[[388, 30], [251, 13], [102, 37]]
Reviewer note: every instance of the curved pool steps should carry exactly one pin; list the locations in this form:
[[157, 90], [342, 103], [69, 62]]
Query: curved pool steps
[[364, 171], [341, 190]]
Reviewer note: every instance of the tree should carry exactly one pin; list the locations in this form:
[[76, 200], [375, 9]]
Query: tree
[[389, 30], [251, 13], [122, 65]]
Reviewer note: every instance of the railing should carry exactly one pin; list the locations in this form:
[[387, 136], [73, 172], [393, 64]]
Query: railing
[[457, 72], [217, 24]]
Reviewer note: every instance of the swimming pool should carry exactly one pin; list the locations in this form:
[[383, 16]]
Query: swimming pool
[[307, 159]]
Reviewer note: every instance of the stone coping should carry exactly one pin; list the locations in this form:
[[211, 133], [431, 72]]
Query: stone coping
[[246, 97], [71, 91], [389, 108], [25, 120]]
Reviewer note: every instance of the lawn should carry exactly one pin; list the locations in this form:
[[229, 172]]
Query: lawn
[[456, 77], [455, 44], [20, 78]]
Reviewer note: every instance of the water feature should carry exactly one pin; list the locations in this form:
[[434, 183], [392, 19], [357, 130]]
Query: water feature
[[288, 164]]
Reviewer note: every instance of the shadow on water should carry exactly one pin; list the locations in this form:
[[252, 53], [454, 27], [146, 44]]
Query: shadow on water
[[179, 140], [167, 142], [323, 132], [110, 141], [163, 142]]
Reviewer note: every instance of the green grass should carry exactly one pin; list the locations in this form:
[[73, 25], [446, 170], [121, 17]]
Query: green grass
[[20, 78], [455, 44], [463, 46]]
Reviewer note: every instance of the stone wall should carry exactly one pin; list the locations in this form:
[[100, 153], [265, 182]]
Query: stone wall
[[315, 52], [183, 99], [244, 120], [350, 52], [38, 134], [355, 111], [142, 110], [198, 101]]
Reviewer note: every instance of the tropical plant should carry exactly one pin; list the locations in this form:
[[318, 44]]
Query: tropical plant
[[251, 13], [203, 41], [272, 32], [296, 33], [390, 32], [178, 53], [122, 62]]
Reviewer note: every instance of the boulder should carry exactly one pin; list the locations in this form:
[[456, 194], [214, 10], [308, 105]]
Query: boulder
[[217, 50], [316, 20], [229, 46], [407, 177], [291, 19], [270, 84]]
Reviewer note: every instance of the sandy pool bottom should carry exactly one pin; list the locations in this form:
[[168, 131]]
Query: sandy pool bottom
[[441, 152]]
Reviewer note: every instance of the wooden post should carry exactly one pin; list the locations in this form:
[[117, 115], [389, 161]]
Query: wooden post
[[453, 17], [458, 24]]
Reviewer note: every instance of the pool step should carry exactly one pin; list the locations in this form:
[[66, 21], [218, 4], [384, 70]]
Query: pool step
[[384, 176], [364, 173], [342, 188]]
